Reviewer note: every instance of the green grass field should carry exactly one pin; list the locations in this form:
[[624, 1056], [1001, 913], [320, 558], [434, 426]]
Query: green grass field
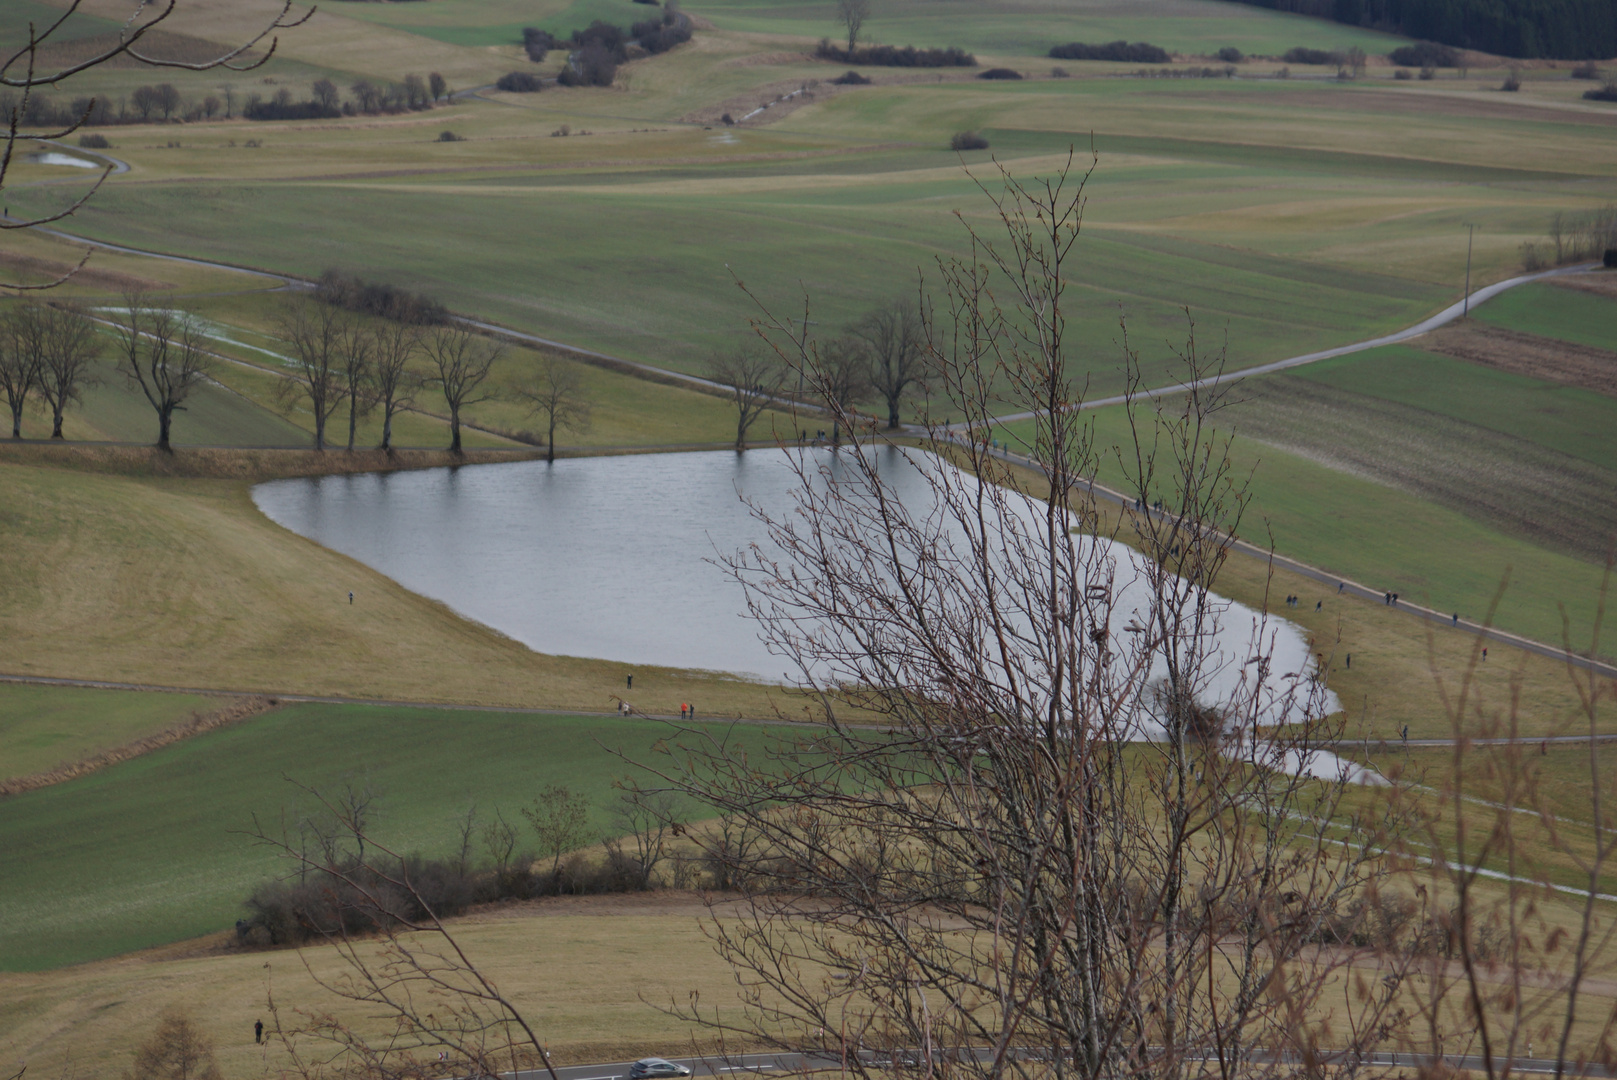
[[1563, 314], [43, 727], [153, 850]]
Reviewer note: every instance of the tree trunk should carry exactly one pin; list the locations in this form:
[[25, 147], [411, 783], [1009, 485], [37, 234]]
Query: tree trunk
[[56, 424], [16, 422], [387, 427], [319, 427], [892, 414], [165, 420], [550, 440], [353, 420], [454, 430]]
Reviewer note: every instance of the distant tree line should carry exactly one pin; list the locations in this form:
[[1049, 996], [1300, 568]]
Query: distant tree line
[[907, 56], [1558, 29], [1139, 52], [378, 299], [164, 104]]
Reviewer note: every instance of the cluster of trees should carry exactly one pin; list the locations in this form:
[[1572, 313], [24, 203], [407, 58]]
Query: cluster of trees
[[332, 894], [1139, 52], [49, 351], [1575, 237], [907, 56], [163, 103], [1424, 54], [46, 352], [1557, 29], [596, 51], [882, 357]]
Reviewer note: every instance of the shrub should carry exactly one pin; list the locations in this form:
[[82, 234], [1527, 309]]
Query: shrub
[[592, 65], [659, 35], [727, 120], [613, 40], [385, 301], [1059, 73], [852, 78], [520, 82], [1425, 54], [1512, 83], [1427, 74], [92, 141], [1138, 53], [279, 108], [968, 140], [1609, 260], [450, 136], [1403, 74], [895, 56], [1283, 73], [1000, 73], [1602, 93], [537, 42], [1230, 55], [1301, 55], [1586, 70], [1532, 260]]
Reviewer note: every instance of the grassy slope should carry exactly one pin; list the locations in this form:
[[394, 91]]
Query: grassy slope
[[1564, 314], [591, 980], [1573, 421], [151, 850], [43, 727], [207, 592]]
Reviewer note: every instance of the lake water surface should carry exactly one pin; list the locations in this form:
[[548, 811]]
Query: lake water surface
[[612, 557]]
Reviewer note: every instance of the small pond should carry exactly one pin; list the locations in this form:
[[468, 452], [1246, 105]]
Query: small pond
[[612, 557]]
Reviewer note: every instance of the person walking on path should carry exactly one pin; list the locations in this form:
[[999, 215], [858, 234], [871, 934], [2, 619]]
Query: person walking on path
[[350, 597], [258, 1031], [1319, 605]]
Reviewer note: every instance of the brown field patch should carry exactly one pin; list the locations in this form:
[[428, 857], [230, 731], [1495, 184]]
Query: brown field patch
[[1418, 102], [1563, 362], [161, 45], [1601, 283], [33, 270]]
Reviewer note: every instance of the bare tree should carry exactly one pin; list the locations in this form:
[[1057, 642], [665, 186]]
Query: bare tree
[[163, 352], [648, 821], [460, 361], [839, 373], [557, 394], [177, 1050], [1065, 830], [315, 333], [559, 818], [895, 336], [21, 354], [357, 346], [754, 377], [22, 70], [852, 15], [393, 346], [68, 348]]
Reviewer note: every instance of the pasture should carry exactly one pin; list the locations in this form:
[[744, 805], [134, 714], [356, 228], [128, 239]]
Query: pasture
[[156, 849], [1575, 315], [45, 727]]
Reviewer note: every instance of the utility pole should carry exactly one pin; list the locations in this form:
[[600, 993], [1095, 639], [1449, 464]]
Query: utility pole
[[1470, 231]]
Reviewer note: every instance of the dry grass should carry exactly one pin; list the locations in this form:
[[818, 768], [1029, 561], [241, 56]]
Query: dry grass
[[168, 575]]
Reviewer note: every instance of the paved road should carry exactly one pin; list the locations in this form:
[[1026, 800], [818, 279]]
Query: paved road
[[1442, 318], [784, 1064]]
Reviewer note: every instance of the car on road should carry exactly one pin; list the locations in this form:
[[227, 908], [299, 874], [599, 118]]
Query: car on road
[[648, 1068]]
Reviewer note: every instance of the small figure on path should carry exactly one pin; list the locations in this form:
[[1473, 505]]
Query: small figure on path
[[1350, 661], [1485, 654], [683, 708], [1394, 599], [258, 1031], [1386, 599], [692, 708], [1319, 605], [1406, 733], [1340, 585], [350, 597], [631, 682], [1456, 618]]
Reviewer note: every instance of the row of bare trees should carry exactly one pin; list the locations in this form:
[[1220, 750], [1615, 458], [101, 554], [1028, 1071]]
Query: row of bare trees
[[345, 363], [883, 356], [1041, 820]]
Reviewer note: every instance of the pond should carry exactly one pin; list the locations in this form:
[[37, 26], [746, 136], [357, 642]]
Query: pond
[[614, 557]]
